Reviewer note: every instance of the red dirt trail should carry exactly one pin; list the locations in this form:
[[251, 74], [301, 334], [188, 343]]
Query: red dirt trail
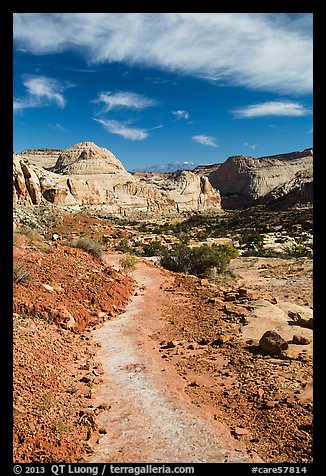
[[151, 418]]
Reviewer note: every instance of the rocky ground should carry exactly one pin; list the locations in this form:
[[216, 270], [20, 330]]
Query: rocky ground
[[208, 335], [63, 292]]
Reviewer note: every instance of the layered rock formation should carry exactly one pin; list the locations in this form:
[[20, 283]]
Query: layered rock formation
[[88, 175], [245, 181], [45, 158]]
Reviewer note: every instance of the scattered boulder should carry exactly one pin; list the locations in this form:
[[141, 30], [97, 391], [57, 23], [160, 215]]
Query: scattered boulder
[[302, 319], [300, 340], [273, 343]]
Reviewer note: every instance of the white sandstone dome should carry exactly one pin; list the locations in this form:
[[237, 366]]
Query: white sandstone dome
[[87, 158]]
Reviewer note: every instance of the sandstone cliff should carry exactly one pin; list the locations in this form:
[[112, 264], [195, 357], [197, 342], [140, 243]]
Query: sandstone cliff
[[45, 158], [86, 175], [245, 181]]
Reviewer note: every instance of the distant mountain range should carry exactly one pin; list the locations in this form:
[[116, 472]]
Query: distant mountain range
[[166, 168]]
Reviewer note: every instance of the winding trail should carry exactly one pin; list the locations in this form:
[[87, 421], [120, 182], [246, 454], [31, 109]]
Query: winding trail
[[151, 418]]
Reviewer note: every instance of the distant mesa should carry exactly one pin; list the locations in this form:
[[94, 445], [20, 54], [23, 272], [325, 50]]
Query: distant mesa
[[246, 181], [86, 175]]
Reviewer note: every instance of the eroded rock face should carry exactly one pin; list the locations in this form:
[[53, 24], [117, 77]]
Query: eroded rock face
[[45, 158], [33, 185], [87, 158], [245, 181], [90, 176]]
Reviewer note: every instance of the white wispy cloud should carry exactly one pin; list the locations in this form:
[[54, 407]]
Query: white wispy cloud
[[41, 91], [56, 127], [205, 140], [272, 108], [252, 146], [180, 114], [123, 129], [123, 99], [263, 51]]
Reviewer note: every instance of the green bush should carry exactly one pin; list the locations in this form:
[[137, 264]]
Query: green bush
[[229, 250], [297, 249], [199, 260], [155, 248], [177, 258]]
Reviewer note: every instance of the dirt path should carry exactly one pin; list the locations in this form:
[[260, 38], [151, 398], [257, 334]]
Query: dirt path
[[151, 418]]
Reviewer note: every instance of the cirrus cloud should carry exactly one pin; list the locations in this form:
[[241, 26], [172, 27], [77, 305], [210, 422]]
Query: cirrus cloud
[[205, 140], [122, 129], [272, 108], [41, 91], [262, 51], [123, 99]]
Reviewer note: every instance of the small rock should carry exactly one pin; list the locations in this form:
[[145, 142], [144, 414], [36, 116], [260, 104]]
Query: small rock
[[84, 366], [171, 344], [300, 340], [220, 340], [204, 282], [101, 314], [273, 343], [48, 287], [270, 403], [193, 346], [242, 291], [274, 300], [203, 341], [238, 431], [260, 393], [55, 236], [194, 384]]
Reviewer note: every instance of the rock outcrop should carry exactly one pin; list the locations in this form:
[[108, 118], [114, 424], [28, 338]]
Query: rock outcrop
[[189, 191], [246, 181], [86, 158], [91, 176], [45, 158]]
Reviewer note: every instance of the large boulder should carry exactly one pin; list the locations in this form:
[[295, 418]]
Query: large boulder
[[273, 343]]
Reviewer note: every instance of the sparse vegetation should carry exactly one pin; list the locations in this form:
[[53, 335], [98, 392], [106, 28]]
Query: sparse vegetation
[[155, 248], [20, 274], [128, 263], [90, 246], [199, 260], [30, 232], [297, 249], [124, 246], [252, 242]]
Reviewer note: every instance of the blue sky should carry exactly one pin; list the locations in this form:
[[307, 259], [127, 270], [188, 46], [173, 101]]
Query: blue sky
[[158, 88]]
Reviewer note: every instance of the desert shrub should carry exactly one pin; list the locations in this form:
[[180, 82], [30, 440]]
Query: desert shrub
[[155, 248], [90, 246], [125, 247], [30, 232], [184, 238], [128, 263], [253, 243], [198, 261], [20, 274], [177, 258], [229, 250], [204, 258], [297, 249]]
